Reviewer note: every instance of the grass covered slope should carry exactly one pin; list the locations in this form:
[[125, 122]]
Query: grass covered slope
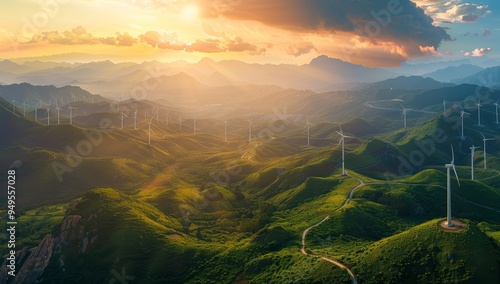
[[427, 254]]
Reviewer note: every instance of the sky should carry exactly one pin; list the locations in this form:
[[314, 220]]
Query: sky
[[375, 33]]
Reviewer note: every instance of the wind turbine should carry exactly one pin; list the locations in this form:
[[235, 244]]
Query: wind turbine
[[122, 115], [308, 125], [250, 125], [14, 106], [444, 107], [484, 145], [36, 111], [342, 138], [58, 110], [194, 125], [472, 149], [135, 120], [479, 113], [24, 108], [149, 131], [48, 115], [462, 113], [404, 115], [71, 114], [496, 111], [448, 187]]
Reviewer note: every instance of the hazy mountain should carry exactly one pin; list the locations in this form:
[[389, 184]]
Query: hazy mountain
[[453, 72], [47, 94], [409, 69], [489, 77], [409, 83]]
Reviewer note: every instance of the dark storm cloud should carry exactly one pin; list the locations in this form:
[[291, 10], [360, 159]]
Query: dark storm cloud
[[397, 21]]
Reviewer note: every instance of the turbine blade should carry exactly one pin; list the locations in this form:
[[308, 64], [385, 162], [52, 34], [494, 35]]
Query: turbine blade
[[482, 135], [452, 156], [456, 175]]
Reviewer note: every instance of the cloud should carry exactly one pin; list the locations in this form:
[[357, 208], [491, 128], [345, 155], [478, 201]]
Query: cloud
[[478, 52], [238, 44], [453, 11], [300, 48], [399, 22], [80, 35], [207, 46], [430, 50]]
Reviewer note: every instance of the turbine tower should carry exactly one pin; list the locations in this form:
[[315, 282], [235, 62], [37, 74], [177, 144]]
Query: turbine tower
[[135, 120], [122, 115], [484, 147], [149, 131], [462, 113], [250, 125], [342, 138], [48, 115], [479, 113], [472, 149], [449, 223], [71, 114], [496, 111], [24, 108], [444, 107], [14, 106], [308, 125], [58, 110], [36, 111], [404, 115]]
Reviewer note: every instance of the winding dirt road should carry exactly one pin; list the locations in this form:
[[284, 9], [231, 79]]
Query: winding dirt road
[[335, 262]]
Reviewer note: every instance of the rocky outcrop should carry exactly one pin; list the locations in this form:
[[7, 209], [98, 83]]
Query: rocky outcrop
[[72, 231]]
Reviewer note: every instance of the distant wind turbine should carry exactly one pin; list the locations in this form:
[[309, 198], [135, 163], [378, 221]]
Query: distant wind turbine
[[58, 110], [71, 114], [472, 149], [250, 125], [444, 107], [448, 187], [484, 147], [308, 125], [404, 115], [149, 131], [462, 113], [48, 115], [123, 115], [496, 111], [14, 106], [24, 108], [342, 138], [36, 111], [135, 120]]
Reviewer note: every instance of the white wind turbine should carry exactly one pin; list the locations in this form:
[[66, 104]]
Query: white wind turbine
[[496, 111], [308, 125], [444, 107], [123, 115], [71, 114], [479, 113], [135, 120], [24, 108], [48, 115], [58, 110], [404, 115], [448, 187], [462, 113], [194, 125], [250, 125], [472, 149], [36, 111], [342, 138], [14, 102], [484, 145], [149, 131]]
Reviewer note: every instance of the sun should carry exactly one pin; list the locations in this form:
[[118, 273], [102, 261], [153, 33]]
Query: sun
[[190, 11]]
